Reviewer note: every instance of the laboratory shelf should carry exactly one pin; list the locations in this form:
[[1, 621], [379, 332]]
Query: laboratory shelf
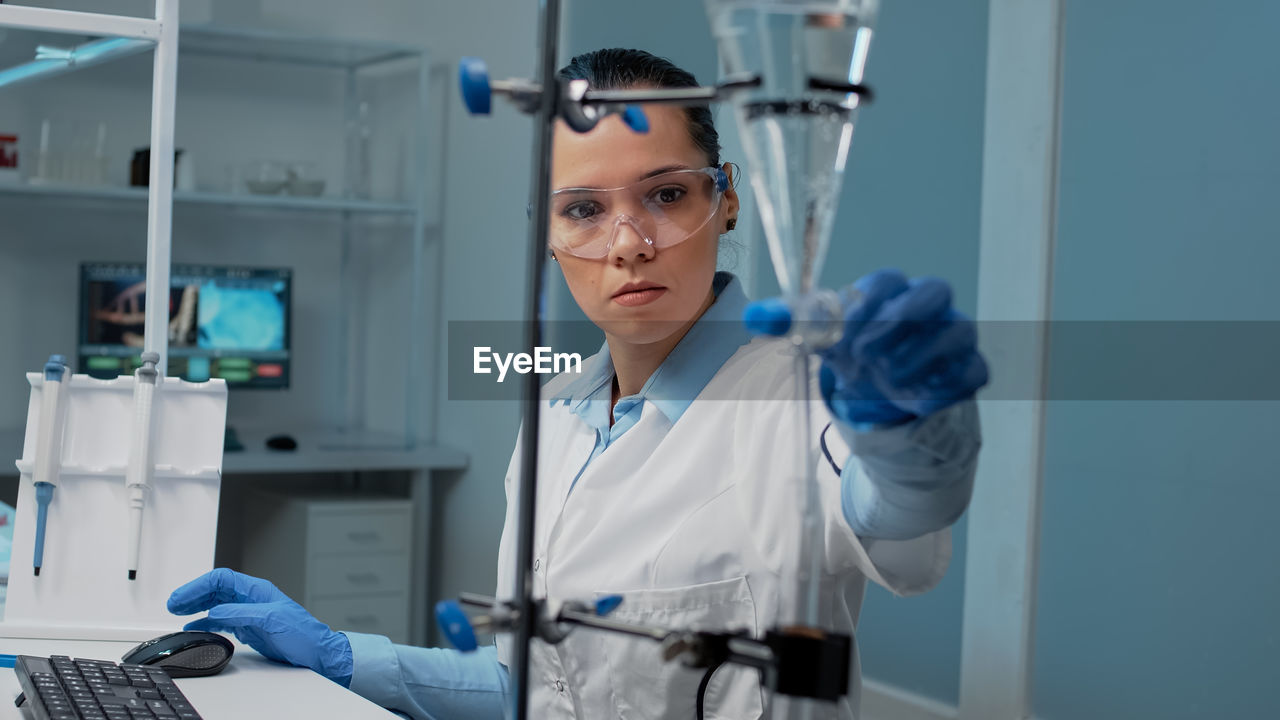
[[88, 193], [318, 451], [277, 47], [235, 43]]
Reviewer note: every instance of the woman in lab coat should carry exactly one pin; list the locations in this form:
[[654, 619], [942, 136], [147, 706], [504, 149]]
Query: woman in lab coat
[[666, 468]]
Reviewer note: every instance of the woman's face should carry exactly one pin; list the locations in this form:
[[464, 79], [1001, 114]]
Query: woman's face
[[677, 277]]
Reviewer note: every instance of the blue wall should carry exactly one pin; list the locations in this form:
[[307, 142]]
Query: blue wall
[[911, 200], [1159, 580]]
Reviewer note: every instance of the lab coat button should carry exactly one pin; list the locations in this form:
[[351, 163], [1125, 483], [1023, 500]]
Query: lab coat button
[[537, 563], [560, 686]]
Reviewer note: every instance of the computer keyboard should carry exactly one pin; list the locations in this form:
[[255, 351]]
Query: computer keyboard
[[60, 688]]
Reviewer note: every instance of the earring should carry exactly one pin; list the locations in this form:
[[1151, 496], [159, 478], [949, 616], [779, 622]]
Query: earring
[[733, 223]]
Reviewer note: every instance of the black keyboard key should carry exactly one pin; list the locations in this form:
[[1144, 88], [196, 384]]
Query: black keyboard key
[[149, 694]]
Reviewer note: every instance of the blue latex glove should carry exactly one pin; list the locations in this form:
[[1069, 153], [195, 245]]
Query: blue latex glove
[[265, 619], [905, 352]]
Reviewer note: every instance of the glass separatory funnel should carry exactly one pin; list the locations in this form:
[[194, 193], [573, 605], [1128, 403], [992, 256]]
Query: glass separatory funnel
[[796, 126]]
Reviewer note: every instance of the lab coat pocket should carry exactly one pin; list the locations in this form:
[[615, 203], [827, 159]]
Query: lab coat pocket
[[646, 688]]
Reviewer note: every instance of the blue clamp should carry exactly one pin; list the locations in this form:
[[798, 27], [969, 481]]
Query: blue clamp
[[456, 625], [473, 77], [55, 368], [607, 604], [768, 317], [635, 119]]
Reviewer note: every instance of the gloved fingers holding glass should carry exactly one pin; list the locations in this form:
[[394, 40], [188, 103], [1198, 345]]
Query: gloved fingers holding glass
[[265, 619], [905, 351]]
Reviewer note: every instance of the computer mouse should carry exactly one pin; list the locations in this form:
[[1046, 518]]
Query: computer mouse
[[282, 442], [189, 653]]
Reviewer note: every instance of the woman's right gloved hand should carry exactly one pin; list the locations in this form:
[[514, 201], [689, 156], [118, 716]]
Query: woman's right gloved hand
[[265, 619]]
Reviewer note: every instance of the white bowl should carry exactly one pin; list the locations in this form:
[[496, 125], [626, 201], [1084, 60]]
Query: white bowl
[[265, 187], [304, 188]]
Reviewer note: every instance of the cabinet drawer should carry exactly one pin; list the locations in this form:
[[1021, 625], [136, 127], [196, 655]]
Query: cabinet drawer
[[357, 574], [358, 531], [378, 614]]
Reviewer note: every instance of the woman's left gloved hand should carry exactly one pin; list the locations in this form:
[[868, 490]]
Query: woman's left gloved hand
[[265, 619], [905, 351]]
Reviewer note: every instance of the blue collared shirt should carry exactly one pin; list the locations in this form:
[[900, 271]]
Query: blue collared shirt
[[708, 344]]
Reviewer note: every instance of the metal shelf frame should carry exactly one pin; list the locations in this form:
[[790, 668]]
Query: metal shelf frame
[[349, 60], [163, 31], [418, 454]]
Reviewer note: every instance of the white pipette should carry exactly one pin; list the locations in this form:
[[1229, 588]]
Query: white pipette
[[138, 474]]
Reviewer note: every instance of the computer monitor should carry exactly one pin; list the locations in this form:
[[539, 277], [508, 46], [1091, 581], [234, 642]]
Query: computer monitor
[[224, 322]]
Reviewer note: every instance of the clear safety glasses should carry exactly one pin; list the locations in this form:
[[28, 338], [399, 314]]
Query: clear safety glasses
[[664, 210]]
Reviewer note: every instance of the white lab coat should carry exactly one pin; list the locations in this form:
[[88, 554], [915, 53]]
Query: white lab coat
[[694, 525]]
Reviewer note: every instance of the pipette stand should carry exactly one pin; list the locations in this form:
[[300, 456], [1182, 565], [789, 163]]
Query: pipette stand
[[83, 591]]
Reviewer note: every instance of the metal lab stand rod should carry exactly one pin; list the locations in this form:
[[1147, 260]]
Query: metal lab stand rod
[[527, 490]]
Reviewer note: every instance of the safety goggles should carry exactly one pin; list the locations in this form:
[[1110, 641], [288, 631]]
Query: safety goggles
[[664, 210]]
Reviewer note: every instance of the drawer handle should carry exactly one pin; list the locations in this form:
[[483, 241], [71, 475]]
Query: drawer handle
[[364, 536], [362, 578], [365, 619]]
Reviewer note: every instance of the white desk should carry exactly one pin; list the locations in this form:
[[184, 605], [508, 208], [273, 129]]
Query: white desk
[[250, 687]]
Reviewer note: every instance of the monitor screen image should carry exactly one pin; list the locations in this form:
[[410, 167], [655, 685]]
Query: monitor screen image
[[224, 322]]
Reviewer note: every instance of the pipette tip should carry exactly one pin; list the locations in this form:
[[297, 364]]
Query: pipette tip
[[37, 569], [133, 574]]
